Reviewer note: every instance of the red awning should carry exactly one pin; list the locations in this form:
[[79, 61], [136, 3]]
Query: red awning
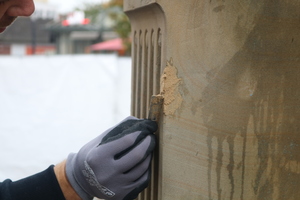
[[111, 45]]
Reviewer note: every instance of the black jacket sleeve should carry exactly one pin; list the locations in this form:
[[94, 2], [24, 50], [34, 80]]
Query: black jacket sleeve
[[41, 186]]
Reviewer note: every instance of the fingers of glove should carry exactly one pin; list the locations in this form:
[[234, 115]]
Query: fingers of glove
[[118, 129], [139, 170], [137, 154], [139, 186], [116, 148], [130, 126], [112, 131]]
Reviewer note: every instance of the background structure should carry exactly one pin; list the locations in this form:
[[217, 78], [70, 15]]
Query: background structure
[[52, 105]]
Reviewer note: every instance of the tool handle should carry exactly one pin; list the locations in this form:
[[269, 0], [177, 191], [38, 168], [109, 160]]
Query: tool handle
[[155, 107]]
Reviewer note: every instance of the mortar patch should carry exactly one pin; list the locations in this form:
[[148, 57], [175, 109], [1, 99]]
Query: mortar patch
[[169, 89]]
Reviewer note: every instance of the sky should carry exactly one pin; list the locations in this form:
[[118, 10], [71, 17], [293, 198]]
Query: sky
[[68, 5]]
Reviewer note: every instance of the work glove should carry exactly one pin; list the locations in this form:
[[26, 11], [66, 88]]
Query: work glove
[[116, 164]]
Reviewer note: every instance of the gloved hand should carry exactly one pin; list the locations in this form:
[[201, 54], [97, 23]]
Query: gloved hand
[[116, 164]]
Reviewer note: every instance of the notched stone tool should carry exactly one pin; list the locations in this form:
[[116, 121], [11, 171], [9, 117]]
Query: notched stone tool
[[155, 108]]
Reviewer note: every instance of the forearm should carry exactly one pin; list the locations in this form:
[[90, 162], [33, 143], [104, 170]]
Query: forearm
[[43, 185], [64, 184]]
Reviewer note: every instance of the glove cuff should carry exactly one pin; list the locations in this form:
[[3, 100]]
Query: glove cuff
[[72, 179]]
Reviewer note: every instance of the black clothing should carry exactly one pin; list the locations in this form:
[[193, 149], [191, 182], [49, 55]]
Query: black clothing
[[41, 186]]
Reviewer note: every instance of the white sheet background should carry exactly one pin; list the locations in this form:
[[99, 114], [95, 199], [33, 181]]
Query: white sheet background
[[52, 105]]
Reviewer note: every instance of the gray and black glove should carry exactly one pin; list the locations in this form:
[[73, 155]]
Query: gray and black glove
[[116, 164]]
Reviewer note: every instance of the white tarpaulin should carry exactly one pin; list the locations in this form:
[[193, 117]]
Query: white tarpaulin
[[52, 105]]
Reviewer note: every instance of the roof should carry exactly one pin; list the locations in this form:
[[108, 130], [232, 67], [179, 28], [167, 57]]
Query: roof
[[57, 27], [111, 45], [21, 31]]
